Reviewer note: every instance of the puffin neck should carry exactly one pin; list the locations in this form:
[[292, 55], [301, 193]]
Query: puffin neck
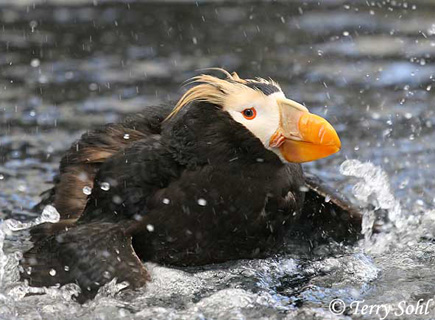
[[204, 134]]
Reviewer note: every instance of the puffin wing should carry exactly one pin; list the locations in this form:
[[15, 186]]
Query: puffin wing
[[82, 161], [89, 255], [328, 214]]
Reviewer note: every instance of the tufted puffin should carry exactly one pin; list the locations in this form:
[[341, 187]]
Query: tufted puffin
[[215, 178]]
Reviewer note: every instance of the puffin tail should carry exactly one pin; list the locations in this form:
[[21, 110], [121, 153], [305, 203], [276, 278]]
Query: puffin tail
[[89, 255]]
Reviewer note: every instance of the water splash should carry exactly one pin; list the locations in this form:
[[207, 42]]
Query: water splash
[[9, 263], [374, 183], [49, 214], [396, 229]]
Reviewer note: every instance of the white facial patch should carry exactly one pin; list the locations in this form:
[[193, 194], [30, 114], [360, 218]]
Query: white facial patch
[[267, 119]]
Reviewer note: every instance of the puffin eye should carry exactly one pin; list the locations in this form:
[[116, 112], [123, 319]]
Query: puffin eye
[[249, 113]]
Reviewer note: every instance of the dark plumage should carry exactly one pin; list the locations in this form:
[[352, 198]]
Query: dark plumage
[[194, 189]]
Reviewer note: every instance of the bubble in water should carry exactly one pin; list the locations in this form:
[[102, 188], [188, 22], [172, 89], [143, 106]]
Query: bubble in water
[[150, 227], [105, 186], [166, 201], [52, 272], [126, 136], [87, 190]]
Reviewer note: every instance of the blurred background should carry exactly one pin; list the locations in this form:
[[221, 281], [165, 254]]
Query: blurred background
[[367, 66]]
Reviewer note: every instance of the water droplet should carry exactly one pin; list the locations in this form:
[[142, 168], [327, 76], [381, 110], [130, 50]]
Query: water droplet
[[87, 190], [126, 136], [375, 115], [117, 199], [18, 255], [33, 24], [137, 217], [202, 202], [69, 75], [35, 63], [303, 189], [50, 214], [105, 186], [42, 79], [166, 201], [150, 227], [93, 87], [403, 184], [52, 272]]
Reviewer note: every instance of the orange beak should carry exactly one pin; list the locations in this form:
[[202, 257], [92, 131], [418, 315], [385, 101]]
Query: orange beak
[[303, 136]]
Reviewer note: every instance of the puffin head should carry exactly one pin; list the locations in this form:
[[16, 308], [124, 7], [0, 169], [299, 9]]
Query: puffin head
[[282, 125]]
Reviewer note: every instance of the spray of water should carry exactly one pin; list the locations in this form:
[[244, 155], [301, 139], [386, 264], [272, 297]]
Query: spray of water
[[373, 188], [9, 263]]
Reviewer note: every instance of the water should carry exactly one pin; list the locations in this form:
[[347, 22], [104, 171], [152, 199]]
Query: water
[[67, 66]]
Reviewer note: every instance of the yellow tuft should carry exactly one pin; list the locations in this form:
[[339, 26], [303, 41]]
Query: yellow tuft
[[214, 90]]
